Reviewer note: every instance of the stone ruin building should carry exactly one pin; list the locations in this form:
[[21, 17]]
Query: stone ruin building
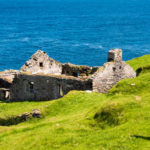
[[42, 78]]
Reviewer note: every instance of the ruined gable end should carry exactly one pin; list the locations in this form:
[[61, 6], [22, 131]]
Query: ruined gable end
[[113, 71], [40, 62]]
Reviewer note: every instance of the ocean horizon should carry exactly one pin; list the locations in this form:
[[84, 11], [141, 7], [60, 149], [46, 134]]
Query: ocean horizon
[[76, 31]]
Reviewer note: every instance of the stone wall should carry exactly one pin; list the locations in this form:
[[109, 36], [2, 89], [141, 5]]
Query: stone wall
[[40, 62], [111, 73], [36, 87], [6, 78], [4, 83], [8, 75], [78, 70], [43, 78]]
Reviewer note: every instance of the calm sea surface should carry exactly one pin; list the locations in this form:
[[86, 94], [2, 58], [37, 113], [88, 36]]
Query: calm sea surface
[[76, 31]]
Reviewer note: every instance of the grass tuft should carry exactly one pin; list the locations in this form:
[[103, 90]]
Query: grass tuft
[[111, 115]]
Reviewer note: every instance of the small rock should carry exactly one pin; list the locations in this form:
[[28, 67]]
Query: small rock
[[36, 113], [25, 116], [57, 125], [88, 91], [133, 84]]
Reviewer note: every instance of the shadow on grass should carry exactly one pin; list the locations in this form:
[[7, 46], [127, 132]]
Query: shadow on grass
[[9, 101], [142, 70], [141, 137]]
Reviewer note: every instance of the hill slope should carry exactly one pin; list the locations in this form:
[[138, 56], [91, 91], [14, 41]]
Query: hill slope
[[119, 120]]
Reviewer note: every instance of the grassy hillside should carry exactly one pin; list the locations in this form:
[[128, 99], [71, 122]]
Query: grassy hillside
[[119, 120]]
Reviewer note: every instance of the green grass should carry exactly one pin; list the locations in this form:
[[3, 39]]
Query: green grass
[[119, 120], [139, 62]]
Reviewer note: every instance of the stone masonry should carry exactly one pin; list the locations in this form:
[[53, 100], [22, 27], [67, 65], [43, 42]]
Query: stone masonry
[[40, 62], [42, 87], [112, 72], [42, 78]]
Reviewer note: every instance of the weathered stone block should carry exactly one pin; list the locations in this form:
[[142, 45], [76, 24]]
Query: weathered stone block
[[115, 55]]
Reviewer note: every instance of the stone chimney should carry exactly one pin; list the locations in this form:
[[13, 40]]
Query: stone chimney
[[115, 55]]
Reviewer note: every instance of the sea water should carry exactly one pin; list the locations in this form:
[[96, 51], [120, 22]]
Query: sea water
[[75, 31]]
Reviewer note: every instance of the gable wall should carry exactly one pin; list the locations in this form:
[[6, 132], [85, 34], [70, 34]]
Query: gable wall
[[112, 73]]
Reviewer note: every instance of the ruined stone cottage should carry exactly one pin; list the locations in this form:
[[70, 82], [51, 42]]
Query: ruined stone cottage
[[42, 78]]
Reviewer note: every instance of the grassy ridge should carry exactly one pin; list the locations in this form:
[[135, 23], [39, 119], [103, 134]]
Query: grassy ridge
[[119, 120]]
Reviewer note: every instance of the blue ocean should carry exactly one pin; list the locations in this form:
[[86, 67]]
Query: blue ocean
[[76, 31]]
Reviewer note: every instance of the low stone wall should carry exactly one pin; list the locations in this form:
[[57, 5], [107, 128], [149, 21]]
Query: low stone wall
[[13, 120], [38, 87], [78, 70], [4, 83]]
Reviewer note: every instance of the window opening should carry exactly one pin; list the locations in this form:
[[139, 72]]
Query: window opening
[[114, 69], [61, 90], [31, 86], [41, 64]]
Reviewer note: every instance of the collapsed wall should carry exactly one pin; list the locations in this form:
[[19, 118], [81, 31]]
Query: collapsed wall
[[40, 87], [6, 79], [78, 70], [7, 76]]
